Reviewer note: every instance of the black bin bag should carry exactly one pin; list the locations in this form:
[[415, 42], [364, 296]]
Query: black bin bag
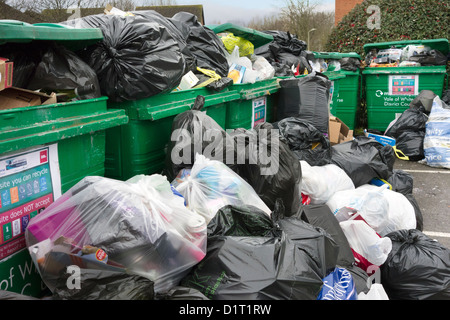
[[305, 98], [193, 132], [204, 44], [409, 132], [320, 215], [417, 268], [139, 56], [104, 285], [250, 257], [363, 159], [269, 166], [306, 141], [62, 69]]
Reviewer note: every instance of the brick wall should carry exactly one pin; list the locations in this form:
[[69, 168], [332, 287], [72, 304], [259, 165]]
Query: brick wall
[[342, 7]]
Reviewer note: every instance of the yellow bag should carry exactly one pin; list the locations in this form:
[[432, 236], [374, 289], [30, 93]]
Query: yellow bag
[[246, 48]]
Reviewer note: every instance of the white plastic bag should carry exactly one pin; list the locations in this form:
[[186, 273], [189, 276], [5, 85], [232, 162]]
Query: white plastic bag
[[264, 68], [369, 249], [363, 204], [376, 292], [401, 213], [139, 226], [383, 209], [321, 182], [211, 185]]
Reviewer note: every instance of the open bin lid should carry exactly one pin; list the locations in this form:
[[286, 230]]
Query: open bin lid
[[335, 55], [73, 38], [31, 126], [256, 37], [441, 45]]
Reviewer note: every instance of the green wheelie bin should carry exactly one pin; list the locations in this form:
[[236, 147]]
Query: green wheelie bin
[[390, 90]]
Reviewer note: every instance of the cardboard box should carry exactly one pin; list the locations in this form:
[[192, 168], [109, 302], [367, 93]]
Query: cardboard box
[[338, 131], [384, 140], [18, 98], [6, 73]]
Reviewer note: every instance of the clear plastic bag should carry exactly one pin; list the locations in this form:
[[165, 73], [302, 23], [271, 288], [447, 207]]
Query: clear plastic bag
[[321, 182], [369, 249], [383, 209], [211, 185], [139, 226]]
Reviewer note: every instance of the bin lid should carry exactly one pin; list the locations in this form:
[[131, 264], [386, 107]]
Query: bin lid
[[335, 55], [256, 37], [31, 126], [73, 38], [438, 44], [334, 75]]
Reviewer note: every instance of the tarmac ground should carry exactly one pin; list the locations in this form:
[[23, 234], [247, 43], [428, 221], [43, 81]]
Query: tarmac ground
[[431, 191]]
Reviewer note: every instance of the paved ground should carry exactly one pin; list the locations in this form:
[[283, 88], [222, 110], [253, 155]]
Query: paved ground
[[431, 190]]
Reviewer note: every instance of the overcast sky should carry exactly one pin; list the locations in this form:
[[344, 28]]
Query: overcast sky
[[244, 10]]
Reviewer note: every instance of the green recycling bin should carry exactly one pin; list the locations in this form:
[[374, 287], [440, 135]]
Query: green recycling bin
[[45, 149], [257, 104], [257, 100], [139, 147], [390, 90], [347, 90]]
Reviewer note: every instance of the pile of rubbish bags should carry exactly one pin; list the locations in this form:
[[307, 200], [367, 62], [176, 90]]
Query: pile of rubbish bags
[[408, 56], [222, 230], [422, 131]]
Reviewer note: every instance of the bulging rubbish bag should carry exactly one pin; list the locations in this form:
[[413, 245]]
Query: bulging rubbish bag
[[61, 69], [369, 249], [193, 132], [417, 268], [316, 181], [140, 55], [320, 215], [363, 159], [338, 285], [264, 160], [204, 44], [104, 285], [138, 226], [402, 182], [211, 185], [436, 143], [306, 141], [383, 209], [251, 262], [307, 99]]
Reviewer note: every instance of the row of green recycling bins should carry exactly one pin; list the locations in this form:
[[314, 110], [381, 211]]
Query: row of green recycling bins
[[96, 137], [135, 133]]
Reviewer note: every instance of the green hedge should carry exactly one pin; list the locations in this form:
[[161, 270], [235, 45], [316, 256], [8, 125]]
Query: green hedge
[[400, 20]]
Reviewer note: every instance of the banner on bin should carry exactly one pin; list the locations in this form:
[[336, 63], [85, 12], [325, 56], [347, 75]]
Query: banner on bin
[[29, 182], [404, 85], [259, 107]]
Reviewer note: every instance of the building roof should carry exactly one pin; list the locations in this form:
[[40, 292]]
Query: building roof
[[9, 13]]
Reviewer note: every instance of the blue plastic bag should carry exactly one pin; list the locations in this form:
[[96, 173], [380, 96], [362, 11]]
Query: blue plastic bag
[[338, 285], [437, 135]]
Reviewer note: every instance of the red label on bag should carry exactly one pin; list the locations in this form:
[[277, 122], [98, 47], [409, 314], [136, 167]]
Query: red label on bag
[[100, 255]]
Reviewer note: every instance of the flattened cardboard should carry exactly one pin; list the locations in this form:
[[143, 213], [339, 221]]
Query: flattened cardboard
[[6, 73], [18, 98]]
